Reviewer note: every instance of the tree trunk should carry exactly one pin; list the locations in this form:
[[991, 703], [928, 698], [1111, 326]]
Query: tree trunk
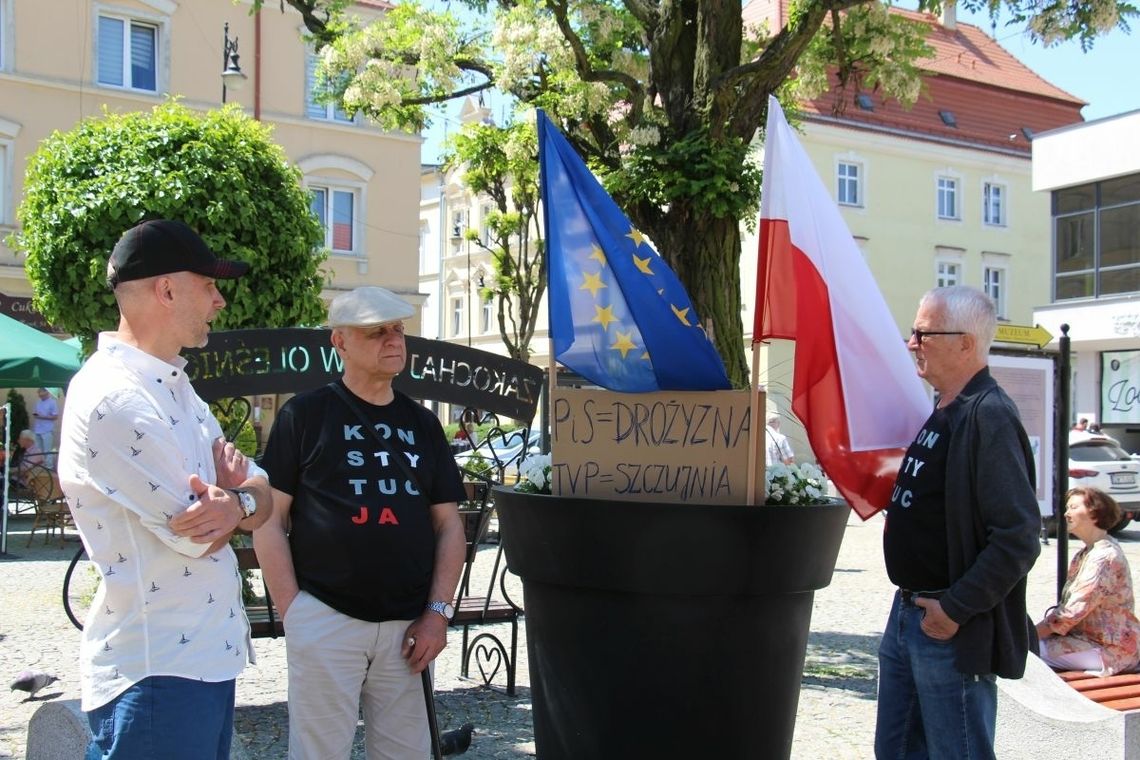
[[704, 251]]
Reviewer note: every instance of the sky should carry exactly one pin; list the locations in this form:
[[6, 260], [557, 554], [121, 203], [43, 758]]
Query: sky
[[1103, 77]]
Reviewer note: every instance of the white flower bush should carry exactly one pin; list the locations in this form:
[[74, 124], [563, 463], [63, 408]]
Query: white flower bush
[[534, 474], [795, 484]]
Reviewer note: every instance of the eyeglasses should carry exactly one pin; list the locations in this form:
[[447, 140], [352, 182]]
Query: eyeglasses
[[921, 335]]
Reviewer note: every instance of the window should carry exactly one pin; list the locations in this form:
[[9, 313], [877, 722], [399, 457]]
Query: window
[[5, 45], [4, 179], [947, 273], [488, 319], [947, 198], [993, 204], [994, 285], [485, 232], [847, 188], [336, 210], [458, 223], [456, 315], [127, 53], [313, 108]]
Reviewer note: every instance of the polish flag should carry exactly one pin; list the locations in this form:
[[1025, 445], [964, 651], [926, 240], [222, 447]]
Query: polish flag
[[855, 389]]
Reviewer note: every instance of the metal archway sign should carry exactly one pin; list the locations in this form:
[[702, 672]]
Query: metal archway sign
[[295, 359]]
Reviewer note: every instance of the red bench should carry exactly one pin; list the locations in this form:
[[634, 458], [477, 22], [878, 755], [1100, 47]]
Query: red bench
[[1119, 692]]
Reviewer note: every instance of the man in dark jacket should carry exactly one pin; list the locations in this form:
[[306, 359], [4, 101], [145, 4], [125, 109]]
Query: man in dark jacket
[[960, 538]]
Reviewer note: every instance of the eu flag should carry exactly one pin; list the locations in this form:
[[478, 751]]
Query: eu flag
[[618, 315]]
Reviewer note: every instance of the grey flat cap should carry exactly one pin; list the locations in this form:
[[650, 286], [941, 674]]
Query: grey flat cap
[[366, 306]]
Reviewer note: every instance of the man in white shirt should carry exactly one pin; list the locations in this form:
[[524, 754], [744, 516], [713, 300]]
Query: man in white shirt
[[44, 415], [779, 449], [156, 494]]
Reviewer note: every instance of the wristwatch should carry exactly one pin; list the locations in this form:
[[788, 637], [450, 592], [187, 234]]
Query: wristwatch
[[246, 501], [443, 608]]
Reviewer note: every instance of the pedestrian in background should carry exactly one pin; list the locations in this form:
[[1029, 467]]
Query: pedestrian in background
[[156, 494], [779, 449], [959, 541], [44, 415], [366, 547]]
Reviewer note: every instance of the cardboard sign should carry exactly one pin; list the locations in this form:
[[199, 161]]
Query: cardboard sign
[[294, 359], [669, 446]]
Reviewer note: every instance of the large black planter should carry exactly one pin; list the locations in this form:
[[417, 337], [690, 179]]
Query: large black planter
[[666, 630]]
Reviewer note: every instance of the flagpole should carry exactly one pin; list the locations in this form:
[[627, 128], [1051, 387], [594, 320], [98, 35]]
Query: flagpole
[[754, 427]]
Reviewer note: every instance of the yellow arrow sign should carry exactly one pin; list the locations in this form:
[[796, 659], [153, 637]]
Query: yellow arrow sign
[[1024, 334]]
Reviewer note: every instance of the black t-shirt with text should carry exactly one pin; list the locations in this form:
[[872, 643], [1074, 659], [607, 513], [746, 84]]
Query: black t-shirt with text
[[360, 531], [914, 541]]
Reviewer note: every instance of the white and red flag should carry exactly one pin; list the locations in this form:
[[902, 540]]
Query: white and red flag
[[855, 389]]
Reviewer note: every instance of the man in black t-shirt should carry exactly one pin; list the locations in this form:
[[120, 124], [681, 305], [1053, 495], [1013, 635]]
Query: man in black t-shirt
[[366, 546], [960, 538]]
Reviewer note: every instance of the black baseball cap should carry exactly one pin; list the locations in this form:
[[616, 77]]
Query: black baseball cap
[[164, 246]]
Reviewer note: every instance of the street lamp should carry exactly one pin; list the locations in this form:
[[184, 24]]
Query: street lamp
[[232, 75]]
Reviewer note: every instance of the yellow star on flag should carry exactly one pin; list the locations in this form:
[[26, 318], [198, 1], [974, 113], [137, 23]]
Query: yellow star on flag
[[624, 343], [682, 314], [592, 281], [604, 315], [636, 236], [643, 265], [598, 255]]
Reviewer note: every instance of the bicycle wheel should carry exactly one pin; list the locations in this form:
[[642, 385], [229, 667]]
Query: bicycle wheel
[[79, 585]]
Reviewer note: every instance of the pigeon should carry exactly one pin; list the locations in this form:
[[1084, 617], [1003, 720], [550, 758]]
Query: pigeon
[[32, 682], [457, 741]]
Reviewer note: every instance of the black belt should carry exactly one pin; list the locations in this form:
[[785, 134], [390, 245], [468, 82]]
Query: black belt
[[907, 596]]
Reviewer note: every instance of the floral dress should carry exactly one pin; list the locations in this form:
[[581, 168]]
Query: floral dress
[[1096, 610]]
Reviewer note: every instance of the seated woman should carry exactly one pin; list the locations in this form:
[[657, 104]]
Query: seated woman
[[1094, 627]]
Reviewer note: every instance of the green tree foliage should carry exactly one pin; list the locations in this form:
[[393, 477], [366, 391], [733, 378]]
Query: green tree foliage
[[219, 172], [662, 98], [502, 163]]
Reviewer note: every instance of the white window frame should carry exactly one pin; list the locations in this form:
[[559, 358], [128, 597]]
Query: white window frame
[[484, 228], [161, 25], [456, 316], [944, 259], [858, 181], [5, 179], [332, 191], [7, 38], [1002, 215], [321, 111], [996, 265], [9, 131], [487, 319], [326, 171], [942, 186], [458, 224]]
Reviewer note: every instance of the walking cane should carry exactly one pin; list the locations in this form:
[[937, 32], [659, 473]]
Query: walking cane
[[433, 726]]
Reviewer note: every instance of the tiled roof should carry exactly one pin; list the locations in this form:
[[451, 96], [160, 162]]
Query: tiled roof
[[993, 97], [967, 52], [992, 117]]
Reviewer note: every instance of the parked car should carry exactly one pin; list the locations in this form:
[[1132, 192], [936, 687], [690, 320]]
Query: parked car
[[506, 448], [1100, 462]]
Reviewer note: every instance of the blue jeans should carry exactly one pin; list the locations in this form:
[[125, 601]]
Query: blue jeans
[[922, 694], [165, 716]]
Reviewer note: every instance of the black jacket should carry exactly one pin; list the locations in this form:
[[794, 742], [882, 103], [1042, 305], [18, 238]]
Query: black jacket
[[992, 527]]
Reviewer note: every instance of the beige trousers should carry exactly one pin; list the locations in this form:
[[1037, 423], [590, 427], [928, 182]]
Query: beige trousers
[[337, 664]]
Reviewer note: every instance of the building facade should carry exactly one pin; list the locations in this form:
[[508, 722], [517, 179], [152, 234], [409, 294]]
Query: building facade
[[130, 55], [1089, 175], [936, 194]]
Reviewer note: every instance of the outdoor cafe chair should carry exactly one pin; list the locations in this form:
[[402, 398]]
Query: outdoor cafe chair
[[52, 512]]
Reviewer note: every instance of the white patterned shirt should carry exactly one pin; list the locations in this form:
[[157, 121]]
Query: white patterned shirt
[[133, 432]]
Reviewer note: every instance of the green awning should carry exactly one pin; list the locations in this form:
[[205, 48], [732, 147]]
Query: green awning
[[32, 359]]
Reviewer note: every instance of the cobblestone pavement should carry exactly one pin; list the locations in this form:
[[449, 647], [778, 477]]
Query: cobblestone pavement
[[837, 703]]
